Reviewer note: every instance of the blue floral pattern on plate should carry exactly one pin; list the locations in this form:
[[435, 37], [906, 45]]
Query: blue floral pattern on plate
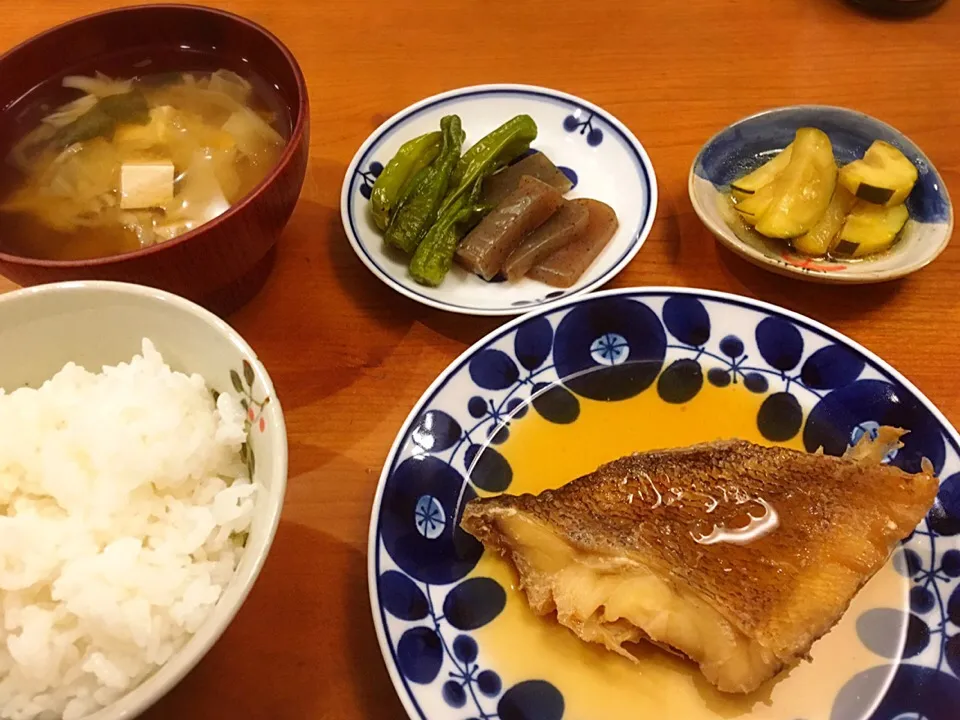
[[581, 121], [612, 346], [368, 177]]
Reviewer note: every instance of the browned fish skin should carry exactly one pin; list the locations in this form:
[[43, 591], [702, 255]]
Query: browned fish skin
[[839, 521]]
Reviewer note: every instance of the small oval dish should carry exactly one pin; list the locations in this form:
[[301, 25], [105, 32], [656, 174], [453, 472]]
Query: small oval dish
[[747, 143], [600, 156]]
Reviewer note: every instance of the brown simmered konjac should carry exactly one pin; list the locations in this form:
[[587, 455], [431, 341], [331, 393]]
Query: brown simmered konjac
[[537, 165], [567, 224], [485, 249], [565, 266], [517, 243], [497, 209]]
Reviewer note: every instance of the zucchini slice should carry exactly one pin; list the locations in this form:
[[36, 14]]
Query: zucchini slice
[[753, 207], [802, 192], [823, 236], [763, 175], [884, 176], [870, 229]]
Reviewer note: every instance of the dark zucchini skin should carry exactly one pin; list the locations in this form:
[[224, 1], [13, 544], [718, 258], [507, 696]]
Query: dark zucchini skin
[[845, 248], [873, 194]]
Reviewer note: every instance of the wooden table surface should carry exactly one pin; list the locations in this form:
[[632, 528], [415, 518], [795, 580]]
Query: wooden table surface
[[350, 357]]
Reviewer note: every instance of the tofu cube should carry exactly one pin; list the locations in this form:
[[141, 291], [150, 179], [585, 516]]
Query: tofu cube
[[145, 184]]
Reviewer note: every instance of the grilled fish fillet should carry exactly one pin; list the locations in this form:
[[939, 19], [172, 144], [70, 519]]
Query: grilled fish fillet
[[735, 555]]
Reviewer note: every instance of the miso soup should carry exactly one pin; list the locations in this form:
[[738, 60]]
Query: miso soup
[[132, 162]]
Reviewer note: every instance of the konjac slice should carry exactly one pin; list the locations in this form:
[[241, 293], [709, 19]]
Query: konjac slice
[[765, 174], [884, 176], [489, 244], [822, 237], [566, 225], [565, 266], [803, 190], [498, 186]]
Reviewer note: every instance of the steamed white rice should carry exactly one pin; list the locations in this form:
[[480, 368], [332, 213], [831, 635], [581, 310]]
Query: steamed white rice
[[123, 501]]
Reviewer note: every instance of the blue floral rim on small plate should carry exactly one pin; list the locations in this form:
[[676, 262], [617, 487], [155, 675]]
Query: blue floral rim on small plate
[[817, 385], [595, 130]]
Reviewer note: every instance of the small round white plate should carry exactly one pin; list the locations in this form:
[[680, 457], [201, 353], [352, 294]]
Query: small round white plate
[[597, 151]]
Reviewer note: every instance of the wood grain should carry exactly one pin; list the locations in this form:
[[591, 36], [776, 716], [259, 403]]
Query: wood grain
[[350, 357]]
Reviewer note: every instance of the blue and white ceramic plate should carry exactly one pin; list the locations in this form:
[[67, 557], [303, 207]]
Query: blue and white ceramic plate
[[749, 142], [596, 151], [549, 397]]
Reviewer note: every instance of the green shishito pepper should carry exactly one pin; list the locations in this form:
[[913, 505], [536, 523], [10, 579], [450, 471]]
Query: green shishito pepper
[[398, 175], [460, 210], [496, 150], [418, 211], [434, 256]]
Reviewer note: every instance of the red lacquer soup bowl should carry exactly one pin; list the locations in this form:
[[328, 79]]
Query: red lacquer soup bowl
[[224, 262]]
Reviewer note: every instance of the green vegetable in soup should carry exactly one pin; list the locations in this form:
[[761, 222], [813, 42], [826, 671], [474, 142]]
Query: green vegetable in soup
[[412, 157], [496, 150], [102, 119], [92, 124], [418, 211], [129, 107]]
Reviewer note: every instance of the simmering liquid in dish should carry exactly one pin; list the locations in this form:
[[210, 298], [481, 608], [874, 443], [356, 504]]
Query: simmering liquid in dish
[[596, 683]]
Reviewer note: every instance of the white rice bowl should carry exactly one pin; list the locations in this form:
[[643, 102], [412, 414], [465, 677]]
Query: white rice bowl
[[125, 506]]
